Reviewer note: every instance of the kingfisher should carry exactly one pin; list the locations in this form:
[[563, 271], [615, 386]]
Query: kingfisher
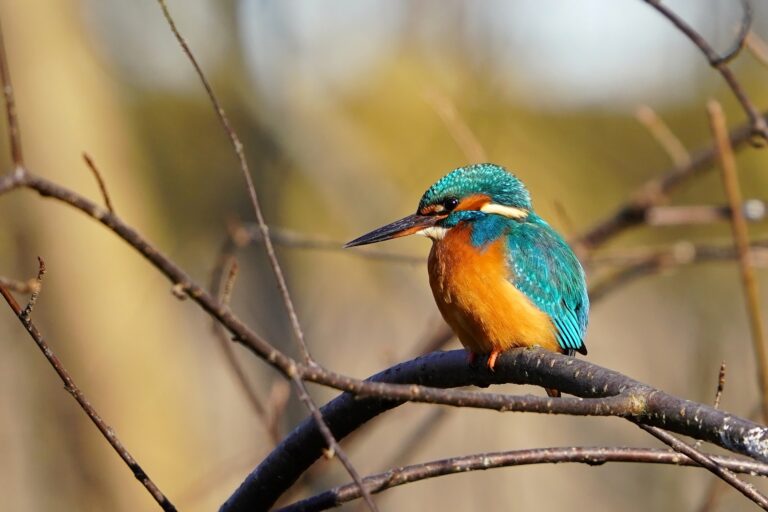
[[500, 275]]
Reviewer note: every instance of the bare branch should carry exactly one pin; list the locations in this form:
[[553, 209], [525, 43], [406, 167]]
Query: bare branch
[[238, 148], [759, 127], [77, 394], [621, 396], [27, 311], [633, 212], [272, 256], [662, 133], [706, 461], [100, 181], [747, 15], [720, 385], [758, 47], [754, 210], [248, 233], [14, 132], [460, 132], [741, 240], [333, 448], [644, 262], [592, 456], [14, 285]]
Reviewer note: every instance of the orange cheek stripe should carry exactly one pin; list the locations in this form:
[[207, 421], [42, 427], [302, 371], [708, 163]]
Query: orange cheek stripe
[[474, 202]]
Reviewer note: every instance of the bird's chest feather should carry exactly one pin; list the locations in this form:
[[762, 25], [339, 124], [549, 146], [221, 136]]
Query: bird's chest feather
[[472, 289]]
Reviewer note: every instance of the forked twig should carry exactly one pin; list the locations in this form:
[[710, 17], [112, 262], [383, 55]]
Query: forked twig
[[720, 62], [77, 394]]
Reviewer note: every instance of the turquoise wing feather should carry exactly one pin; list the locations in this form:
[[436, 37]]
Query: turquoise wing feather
[[547, 271]]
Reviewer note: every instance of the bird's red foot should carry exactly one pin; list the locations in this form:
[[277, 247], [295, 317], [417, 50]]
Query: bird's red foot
[[492, 359], [471, 356]]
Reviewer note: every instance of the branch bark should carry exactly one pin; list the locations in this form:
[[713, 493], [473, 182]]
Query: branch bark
[[593, 456], [605, 392]]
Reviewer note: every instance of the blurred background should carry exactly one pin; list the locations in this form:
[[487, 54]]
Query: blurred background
[[348, 110]]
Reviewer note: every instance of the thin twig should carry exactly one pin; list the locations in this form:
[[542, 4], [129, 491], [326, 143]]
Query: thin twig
[[754, 210], [709, 463], [14, 133], [744, 29], [77, 394], [240, 153], [27, 311], [720, 385], [758, 123], [226, 345], [718, 395], [590, 455], [632, 213], [741, 241], [247, 234], [462, 135], [758, 47], [643, 262], [333, 450], [14, 285], [270, 250], [229, 285], [99, 180], [664, 135]]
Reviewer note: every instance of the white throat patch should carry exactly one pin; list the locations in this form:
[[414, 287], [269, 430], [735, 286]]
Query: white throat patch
[[505, 211], [433, 232]]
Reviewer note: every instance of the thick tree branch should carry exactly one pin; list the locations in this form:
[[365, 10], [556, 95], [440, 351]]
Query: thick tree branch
[[607, 393], [593, 456]]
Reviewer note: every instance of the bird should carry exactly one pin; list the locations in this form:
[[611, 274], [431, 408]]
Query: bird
[[500, 275]]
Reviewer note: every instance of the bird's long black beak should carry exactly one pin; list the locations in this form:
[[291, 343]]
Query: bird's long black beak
[[403, 227]]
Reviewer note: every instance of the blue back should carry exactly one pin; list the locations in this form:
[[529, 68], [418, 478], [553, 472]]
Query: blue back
[[544, 268]]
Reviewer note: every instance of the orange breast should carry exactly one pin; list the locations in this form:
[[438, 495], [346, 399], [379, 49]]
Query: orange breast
[[479, 303]]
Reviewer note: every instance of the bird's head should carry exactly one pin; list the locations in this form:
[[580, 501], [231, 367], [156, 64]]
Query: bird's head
[[465, 194]]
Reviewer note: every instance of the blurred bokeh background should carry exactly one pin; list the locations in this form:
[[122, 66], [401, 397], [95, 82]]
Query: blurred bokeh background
[[342, 107]]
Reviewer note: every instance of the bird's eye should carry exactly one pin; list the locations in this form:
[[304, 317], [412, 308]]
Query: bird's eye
[[450, 203]]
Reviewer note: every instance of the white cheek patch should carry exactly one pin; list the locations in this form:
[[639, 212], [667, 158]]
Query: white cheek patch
[[505, 211], [433, 232]]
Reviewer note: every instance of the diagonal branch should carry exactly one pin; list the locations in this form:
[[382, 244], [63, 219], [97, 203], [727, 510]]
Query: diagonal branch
[[709, 463], [77, 394]]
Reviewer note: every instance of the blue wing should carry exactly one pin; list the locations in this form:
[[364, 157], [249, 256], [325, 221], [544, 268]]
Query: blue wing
[[547, 271]]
